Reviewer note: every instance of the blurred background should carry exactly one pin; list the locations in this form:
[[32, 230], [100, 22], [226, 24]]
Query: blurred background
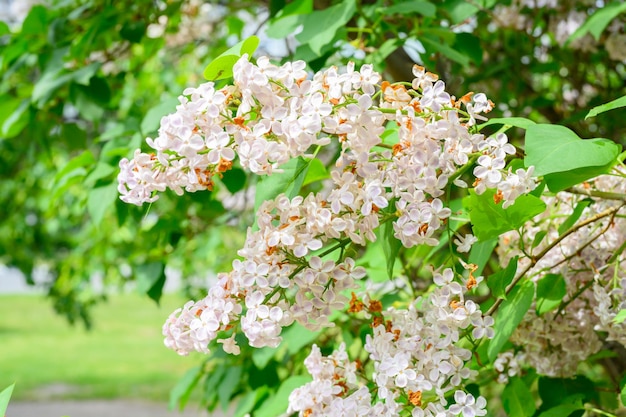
[[86, 281]]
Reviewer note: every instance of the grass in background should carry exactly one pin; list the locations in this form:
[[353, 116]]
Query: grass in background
[[123, 356]]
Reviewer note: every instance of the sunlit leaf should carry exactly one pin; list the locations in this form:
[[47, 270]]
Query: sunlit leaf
[[222, 66], [553, 148], [489, 220]]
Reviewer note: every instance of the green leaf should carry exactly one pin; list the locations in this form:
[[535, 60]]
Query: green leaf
[[222, 66], [288, 19], [550, 292], [560, 181], [100, 199], [459, 10], [446, 50], [611, 105], [296, 337], [598, 21], [181, 392], [5, 396], [234, 180], [557, 391], [320, 27], [539, 237], [553, 148], [152, 120], [150, 279], [517, 399], [498, 282], [317, 172], [277, 404], [622, 396], [77, 163], [262, 356], [508, 121], [391, 246], [16, 119], [562, 410], [54, 79], [480, 254], [4, 29], [509, 316], [101, 170], [36, 23], [490, 220], [288, 182], [469, 45], [424, 8], [573, 218], [246, 404], [228, 385], [620, 317], [565, 407]]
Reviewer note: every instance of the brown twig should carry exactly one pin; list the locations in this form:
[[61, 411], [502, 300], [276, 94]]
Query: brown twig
[[533, 260]]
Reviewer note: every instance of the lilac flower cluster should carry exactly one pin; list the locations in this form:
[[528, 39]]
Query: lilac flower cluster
[[417, 361], [294, 267], [555, 342]]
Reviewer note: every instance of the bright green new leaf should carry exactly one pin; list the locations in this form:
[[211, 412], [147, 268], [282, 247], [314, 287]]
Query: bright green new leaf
[[498, 282], [5, 396], [509, 316], [407, 7], [277, 404], [222, 66], [620, 317], [517, 399], [597, 22], [611, 105], [550, 292], [490, 220], [4, 29], [552, 148], [317, 172], [36, 22], [520, 122], [622, 396], [181, 392], [573, 218], [320, 27]]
